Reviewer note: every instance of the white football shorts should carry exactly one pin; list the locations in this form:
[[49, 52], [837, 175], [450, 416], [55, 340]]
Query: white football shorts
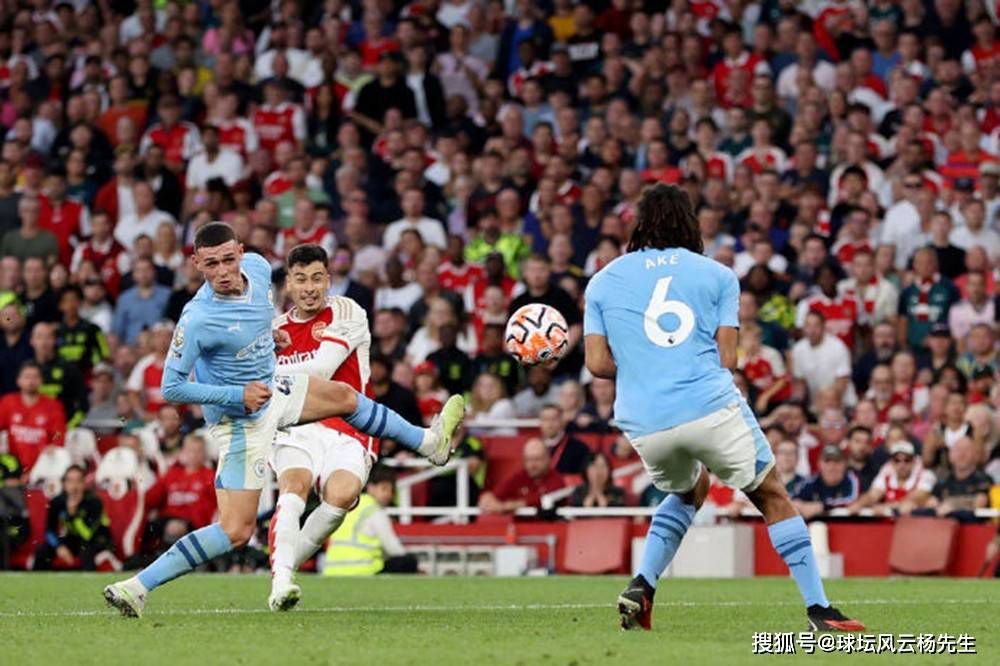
[[322, 451], [729, 442]]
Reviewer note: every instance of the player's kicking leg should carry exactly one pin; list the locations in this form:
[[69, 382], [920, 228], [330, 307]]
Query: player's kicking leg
[[237, 520], [790, 538], [326, 399]]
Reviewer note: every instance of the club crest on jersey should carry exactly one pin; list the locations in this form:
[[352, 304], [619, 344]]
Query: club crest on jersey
[[317, 330], [178, 340]]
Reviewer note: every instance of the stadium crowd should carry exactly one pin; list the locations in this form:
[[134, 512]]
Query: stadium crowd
[[460, 158]]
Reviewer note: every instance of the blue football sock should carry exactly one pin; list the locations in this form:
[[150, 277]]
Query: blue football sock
[[187, 553], [378, 420], [791, 539], [670, 522]]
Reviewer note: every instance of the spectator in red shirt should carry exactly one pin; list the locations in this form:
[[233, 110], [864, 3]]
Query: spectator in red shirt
[[526, 487], [67, 219], [31, 420], [183, 499]]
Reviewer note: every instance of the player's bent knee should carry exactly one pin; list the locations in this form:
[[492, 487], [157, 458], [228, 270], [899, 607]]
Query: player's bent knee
[[342, 490], [295, 482], [239, 532]]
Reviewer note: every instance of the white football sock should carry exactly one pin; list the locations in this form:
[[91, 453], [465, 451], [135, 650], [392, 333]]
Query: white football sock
[[320, 524], [283, 535]]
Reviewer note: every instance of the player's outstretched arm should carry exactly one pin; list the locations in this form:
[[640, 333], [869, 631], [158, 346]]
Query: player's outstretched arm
[[176, 388]]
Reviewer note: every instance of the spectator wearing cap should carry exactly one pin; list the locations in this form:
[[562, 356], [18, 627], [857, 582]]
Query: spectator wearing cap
[[102, 417], [975, 308], [965, 487], [981, 353], [822, 360], [15, 347], [902, 485], [925, 302], [940, 349], [142, 305], [835, 486], [30, 240]]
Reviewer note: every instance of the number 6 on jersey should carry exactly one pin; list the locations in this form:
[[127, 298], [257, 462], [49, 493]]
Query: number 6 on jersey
[[659, 306]]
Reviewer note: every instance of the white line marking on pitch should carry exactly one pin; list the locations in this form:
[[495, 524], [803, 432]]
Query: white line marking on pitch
[[494, 607]]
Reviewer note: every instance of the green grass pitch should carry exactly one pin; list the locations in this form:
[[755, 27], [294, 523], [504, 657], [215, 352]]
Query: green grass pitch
[[215, 619]]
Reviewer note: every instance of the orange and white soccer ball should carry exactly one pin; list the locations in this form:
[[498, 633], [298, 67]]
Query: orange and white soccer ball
[[537, 333]]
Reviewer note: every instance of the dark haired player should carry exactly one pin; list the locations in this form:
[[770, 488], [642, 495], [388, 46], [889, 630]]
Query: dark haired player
[[662, 322], [329, 340], [222, 357]]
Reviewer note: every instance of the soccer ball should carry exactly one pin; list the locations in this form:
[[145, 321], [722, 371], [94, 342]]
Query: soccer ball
[[536, 333]]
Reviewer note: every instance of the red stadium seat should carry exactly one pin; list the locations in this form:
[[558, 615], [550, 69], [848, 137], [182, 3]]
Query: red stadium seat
[[126, 514], [596, 546], [922, 546]]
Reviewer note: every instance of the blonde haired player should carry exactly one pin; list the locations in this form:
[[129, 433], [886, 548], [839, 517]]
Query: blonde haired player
[[329, 340]]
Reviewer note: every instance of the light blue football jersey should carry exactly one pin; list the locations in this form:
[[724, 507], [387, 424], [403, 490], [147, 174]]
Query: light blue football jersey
[[659, 310], [227, 340]]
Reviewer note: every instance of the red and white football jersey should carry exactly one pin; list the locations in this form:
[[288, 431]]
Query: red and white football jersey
[[318, 234], [179, 143], [238, 135], [764, 369], [458, 278], [145, 379], [274, 124], [318, 347], [896, 490], [841, 313], [769, 158]]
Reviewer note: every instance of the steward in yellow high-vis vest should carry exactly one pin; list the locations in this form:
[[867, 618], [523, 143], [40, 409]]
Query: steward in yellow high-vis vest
[[351, 552]]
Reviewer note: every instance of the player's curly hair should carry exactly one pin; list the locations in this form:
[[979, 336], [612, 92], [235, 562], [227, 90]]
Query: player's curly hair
[[665, 219]]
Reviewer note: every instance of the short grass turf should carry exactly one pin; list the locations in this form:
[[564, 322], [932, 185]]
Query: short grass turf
[[218, 619]]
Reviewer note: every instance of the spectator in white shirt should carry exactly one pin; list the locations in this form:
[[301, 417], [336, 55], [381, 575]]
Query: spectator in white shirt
[[144, 221], [975, 231], [213, 162], [977, 308], [431, 231], [822, 361], [821, 72]]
